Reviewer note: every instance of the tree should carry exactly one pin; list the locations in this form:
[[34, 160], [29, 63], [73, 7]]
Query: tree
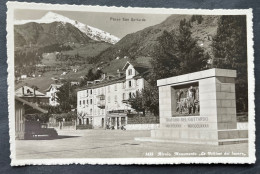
[[137, 103], [230, 52], [192, 57], [165, 62], [90, 76], [197, 18], [67, 97], [146, 100], [174, 55]]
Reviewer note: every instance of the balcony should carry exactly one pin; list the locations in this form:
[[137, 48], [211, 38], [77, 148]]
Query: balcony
[[101, 104], [101, 97], [128, 101]]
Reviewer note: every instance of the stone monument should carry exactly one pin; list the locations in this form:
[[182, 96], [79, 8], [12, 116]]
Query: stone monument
[[198, 108]]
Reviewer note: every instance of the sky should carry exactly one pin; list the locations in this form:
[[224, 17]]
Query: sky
[[109, 22]]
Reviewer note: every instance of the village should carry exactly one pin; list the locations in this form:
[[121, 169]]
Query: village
[[102, 104], [171, 89]]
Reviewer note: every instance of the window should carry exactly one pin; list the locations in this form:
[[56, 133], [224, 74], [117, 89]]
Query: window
[[91, 91], [123, 96], [130, 84], [80, 102], [130, 72], [115, 98], [87, 102], [91, 101], [130, 95]]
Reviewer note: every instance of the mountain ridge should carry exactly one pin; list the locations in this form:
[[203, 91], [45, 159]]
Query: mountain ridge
[[143, 42], [92, 32]]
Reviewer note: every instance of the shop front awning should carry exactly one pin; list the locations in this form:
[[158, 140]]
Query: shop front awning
[[117, 115]]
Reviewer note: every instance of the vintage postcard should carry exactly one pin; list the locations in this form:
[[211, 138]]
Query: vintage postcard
[[115, 85]]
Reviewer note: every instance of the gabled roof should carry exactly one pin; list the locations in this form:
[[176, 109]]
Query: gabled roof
[[139, 67], [53, 85], [28, 91], [34, 106], [144, 75], [126, 65], [103, 83]]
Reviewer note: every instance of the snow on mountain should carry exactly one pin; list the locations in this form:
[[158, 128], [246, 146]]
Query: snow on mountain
[[93, 33]]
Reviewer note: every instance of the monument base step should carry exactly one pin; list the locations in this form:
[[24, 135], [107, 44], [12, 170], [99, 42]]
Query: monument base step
[[188, 141], [233, 141]]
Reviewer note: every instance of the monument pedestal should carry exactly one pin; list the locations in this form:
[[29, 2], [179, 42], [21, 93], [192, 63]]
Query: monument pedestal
[[198, 108]]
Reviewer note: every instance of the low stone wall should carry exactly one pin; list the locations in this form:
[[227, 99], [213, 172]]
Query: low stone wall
[[137, 119], [141, 126]]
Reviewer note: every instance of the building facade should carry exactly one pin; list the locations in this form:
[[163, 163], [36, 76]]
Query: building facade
[[32, 95], [23, 107], [105, 103], [51, 93]]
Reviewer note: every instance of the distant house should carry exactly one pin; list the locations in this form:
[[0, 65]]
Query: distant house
[[23, 107], [51, 93], [32, 95], [23, 76], [74, 68], [74, 83], [64, 73]]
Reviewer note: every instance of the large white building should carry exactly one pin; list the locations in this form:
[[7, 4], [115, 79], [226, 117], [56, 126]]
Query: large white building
[[106, 101]]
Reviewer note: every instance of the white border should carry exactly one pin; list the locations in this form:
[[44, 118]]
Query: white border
[[187, 160]]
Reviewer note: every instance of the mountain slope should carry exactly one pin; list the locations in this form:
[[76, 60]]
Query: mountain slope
[[142, 43], [91, 32], [47, 34]]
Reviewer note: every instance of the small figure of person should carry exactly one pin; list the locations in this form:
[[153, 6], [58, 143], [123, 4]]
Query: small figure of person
[[191, 99]]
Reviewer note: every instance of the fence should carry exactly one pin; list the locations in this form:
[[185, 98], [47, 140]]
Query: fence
[[66, 125]]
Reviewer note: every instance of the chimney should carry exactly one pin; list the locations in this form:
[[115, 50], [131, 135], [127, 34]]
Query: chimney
[[23, 90], [108, 77], [104, 76], [34, 92]]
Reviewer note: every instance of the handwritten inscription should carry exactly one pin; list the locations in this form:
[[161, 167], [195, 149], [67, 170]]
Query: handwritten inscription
[[125, 19]]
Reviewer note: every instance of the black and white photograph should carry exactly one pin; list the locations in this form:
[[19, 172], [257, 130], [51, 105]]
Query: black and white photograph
[[115, 85]]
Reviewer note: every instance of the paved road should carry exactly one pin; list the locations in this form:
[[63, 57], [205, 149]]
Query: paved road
[[114, 144]]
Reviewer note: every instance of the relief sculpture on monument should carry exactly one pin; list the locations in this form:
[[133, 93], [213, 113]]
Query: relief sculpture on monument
[[187, 100]]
